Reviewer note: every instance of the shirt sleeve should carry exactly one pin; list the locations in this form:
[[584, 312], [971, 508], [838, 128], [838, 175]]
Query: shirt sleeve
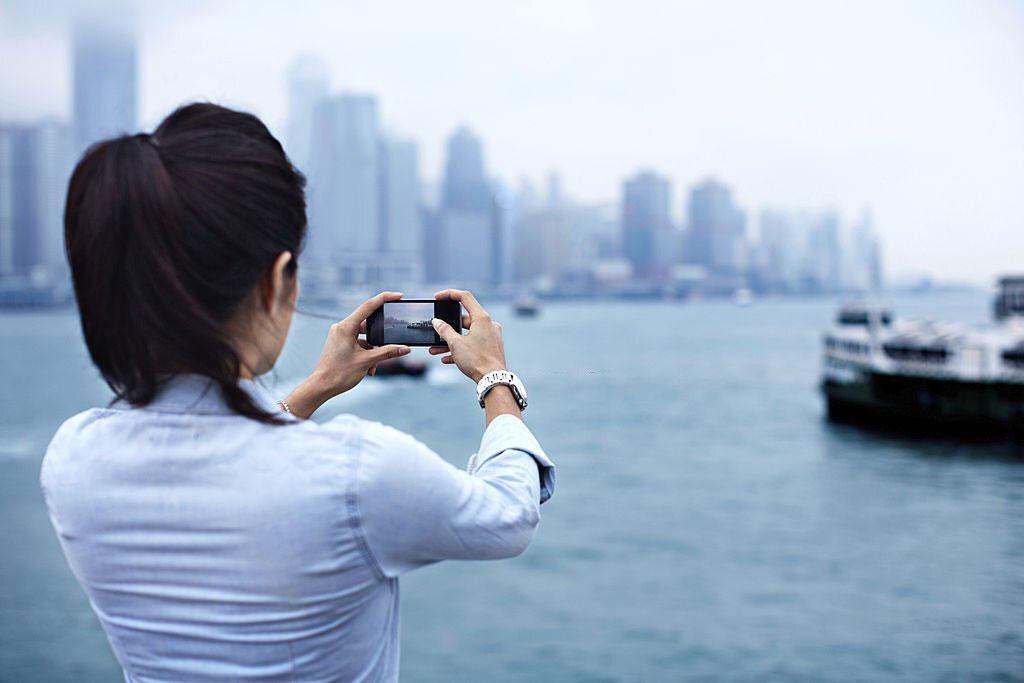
[[416, 509]]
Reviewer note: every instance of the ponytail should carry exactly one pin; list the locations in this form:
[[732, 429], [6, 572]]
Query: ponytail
[[167, 235]]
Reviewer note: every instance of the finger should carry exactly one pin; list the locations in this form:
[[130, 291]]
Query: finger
[[372, 371], [364, 344], [438, 350], [466, 322], [467, 299], [386, 352], [362, 327], [447, 360], [366, 308], [445, 331]]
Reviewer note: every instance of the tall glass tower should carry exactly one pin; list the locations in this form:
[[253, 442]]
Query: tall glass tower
[[308, 82], [646, 222], [467, 248], [344, 186], [465, 180], [104, 73]]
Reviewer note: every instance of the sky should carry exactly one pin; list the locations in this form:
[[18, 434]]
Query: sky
[[913, 109]]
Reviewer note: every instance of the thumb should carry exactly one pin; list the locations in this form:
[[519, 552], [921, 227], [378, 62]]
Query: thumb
[[445, 331], [385, 352]]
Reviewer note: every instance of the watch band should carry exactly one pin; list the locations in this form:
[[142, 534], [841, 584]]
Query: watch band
[[502, 377]]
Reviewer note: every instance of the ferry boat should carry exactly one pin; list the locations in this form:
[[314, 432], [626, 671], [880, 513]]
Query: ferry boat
[[941, 375], [421, 325]]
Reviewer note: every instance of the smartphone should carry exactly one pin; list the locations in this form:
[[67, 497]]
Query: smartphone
[[408, 322]]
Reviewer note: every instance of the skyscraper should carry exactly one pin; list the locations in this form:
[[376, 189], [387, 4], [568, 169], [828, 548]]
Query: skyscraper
[[543, 242], [824, 253], [344, 187], [308, 81], [865, 265], [469, 220], [104, 75], [53, 161], [465, 181], [400, 227], [34, 168], [716, 231], [19, 208], [646, 223], [781, 248]]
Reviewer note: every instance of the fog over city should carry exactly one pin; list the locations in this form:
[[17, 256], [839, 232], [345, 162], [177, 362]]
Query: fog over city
[[911, 109]]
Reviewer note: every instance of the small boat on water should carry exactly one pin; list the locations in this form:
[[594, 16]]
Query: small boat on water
[[401, 367], [421, 325], [526, 307], [899, 372]]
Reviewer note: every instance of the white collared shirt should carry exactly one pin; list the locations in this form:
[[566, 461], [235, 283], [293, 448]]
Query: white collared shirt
[[214, 547]]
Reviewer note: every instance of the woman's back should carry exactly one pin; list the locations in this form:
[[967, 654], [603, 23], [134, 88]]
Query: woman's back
[[215, 547]]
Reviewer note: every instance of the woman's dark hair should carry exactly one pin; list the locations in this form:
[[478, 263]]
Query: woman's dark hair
[[167, 235]]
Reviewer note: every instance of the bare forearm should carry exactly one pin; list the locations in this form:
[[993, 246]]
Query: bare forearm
[[306, 398], [500, 401]]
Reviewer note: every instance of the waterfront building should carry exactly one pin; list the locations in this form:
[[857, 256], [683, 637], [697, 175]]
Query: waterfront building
[[558, 241], [344, 189], [19, 250], [716, 229], [823, 266], [779, 251], [400, 233], [468, 238], [467, 253], [35, 161], [308, 83], [465, 180], [864, 269], [647, 232], [802, 251], [104, 81], [543, 243]]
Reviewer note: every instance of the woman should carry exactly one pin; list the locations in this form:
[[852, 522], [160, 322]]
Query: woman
[[219, 534]]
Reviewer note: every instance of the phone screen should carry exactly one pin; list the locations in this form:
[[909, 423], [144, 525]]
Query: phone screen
[[409, 322]]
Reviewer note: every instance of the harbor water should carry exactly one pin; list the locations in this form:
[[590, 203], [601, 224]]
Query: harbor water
[[708, 523]]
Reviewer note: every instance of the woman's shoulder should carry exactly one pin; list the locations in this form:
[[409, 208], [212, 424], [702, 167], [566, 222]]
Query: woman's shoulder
[[71, 432], [78, 425]]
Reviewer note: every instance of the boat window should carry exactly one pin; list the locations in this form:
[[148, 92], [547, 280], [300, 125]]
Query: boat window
[[921, 354]]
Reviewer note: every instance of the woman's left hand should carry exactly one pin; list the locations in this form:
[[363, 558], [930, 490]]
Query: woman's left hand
[[345, 360]]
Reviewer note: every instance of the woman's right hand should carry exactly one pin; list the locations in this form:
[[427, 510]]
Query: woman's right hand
[[478, 352], [345, 360]]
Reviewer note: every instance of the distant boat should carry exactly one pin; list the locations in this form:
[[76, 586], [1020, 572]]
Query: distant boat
[[401, 367], [743, 297], [421, 325], [526, 307]]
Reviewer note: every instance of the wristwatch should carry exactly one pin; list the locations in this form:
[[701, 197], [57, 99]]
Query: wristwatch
[[509, 379]]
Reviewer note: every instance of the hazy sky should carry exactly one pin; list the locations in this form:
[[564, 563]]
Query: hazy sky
[[915, 109]]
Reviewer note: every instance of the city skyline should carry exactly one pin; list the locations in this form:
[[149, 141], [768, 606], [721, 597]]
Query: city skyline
[[371, 226], [956, 185]]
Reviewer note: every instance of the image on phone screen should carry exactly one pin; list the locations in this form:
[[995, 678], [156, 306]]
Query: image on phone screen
[[409, 322]]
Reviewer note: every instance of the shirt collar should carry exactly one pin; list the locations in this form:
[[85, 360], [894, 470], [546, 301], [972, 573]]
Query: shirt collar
[[200, 394]]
